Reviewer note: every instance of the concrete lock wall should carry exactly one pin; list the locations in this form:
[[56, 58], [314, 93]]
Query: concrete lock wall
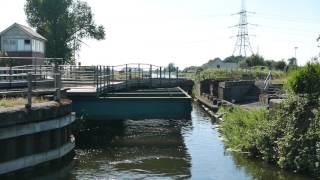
[[32, 137], [236, 90], [211, 86]]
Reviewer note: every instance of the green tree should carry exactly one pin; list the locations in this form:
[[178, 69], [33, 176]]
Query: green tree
[[233, 59], [280, 65], [64, 23], [190, 69], [172, 67], [255, 60], [292, 62], [210, 62]]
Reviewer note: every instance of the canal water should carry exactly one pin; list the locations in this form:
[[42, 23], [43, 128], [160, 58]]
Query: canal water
[[161, 149]]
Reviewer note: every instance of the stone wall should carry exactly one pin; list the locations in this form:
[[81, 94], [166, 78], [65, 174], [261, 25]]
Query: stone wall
[[237, 91], [211, 86]]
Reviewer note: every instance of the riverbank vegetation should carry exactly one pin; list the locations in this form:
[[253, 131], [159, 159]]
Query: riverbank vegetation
[[238, 74], [289, 135]]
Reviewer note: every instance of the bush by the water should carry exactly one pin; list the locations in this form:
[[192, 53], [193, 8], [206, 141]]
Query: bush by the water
[[289, 137]]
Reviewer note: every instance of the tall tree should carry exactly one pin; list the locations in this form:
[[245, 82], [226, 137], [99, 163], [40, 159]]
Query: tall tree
[[255, 60], [233, 59], [292, 62], [64, 23], [172, 67]]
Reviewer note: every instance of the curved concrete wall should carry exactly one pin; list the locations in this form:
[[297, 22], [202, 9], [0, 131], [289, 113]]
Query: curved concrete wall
[[32, 137]]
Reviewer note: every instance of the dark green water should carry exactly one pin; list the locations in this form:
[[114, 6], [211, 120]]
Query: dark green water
[[162, 149]]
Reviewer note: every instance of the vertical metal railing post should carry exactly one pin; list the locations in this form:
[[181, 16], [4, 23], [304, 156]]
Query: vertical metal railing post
[[177, 75], [150, 76], [108, 78], [104, 78], [126, 76], [177, 69], [112, 73], [139, 74], [96, 77], [10, 76], [100, 79], [58, 86], [29, 92], [160, 76]]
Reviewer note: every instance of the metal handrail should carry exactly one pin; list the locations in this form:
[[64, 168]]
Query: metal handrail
[[267, 81]]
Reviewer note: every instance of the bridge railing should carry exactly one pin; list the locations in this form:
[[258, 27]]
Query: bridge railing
[[100, 77], [134, 73]]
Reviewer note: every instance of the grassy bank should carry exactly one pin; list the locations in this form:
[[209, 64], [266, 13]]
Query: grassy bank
[[288, 137], [11, 102], [240, 127]]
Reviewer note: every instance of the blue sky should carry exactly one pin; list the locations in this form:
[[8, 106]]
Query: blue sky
[[190, 32]]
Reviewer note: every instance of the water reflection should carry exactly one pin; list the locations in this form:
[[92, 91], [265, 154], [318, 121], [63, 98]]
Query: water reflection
[[134, 149], [261, 170], [210, 160]]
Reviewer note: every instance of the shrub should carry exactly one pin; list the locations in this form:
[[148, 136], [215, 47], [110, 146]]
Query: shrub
[[291, 137], [288, 137], [305, 80]]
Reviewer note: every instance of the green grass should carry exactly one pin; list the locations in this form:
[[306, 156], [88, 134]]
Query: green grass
[[11, 102], [240, 127]]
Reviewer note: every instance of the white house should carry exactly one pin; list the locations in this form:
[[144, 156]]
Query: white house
[[219, 64], [21, 41]]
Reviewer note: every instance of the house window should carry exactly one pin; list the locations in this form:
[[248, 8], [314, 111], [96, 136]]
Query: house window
[[27, 42], [10, 45], [218, 66]]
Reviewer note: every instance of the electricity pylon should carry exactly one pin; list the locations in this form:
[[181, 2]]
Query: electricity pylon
[[243, 46]]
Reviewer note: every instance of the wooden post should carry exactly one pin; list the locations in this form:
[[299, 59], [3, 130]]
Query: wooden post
[[29, 92], [57, 77]]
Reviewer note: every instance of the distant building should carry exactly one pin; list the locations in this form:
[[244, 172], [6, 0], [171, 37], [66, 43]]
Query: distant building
[[219, 64], [21, 41]]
